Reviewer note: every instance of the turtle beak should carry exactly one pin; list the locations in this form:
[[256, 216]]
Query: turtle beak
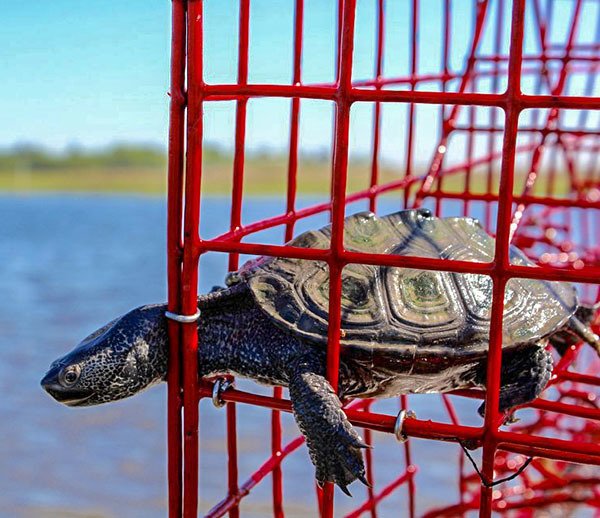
[[66, 396]]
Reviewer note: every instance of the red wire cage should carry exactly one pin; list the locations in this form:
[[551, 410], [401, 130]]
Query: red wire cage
[[520, 119]]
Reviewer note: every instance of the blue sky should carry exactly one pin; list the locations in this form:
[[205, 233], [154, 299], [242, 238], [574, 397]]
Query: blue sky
[[85, 72], [96, 72]]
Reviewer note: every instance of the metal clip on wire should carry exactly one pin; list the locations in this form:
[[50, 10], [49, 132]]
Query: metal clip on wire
[[220, 386], [399, 425], [184, 319]]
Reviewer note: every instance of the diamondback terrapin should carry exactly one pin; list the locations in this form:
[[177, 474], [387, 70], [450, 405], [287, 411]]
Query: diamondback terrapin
[[403, 330]]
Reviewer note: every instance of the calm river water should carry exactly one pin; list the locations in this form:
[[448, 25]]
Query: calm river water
[[69, 263]]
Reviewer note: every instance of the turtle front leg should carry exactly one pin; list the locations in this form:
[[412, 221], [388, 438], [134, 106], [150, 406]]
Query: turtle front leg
[[524, 376], [334, 446]]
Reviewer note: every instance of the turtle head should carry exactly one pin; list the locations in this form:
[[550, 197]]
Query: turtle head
[[116, 361]]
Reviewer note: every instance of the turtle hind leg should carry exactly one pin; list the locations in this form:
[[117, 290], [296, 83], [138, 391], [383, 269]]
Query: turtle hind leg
[[524, 376], [334, 446], [585, 333], [577, 329]]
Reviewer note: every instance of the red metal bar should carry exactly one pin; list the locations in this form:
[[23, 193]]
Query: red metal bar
[[445, 68], [557, 61], [561, 132], [229, 91], [408, 170], [276, 432], [410, 468], [370, 471], [340, 171], [580, 378], [337, 64], [478, 73], [523, 200], [174, 251], [189, 286], [550, 122], [501, 254], [531, 503], [294, 121], [232, 501], [371, 420], [240, 127], [461, 460], [544, 56], [235, 223], [268, 467], [570, 451], [371, 503], [374, 180], [232, 464], [567, 409], [435, 167], [536, 446], [586, 274], [467, 193]]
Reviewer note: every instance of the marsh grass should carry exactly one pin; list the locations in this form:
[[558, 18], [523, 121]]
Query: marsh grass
[[263, 175]]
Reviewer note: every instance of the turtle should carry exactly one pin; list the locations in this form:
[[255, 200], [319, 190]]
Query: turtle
[[403, 330]]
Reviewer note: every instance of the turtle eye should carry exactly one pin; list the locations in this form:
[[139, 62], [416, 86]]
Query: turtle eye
[[69, 376]]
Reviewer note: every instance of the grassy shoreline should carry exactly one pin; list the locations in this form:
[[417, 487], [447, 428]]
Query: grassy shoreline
[[261, 178], [90, 181], [138, 169]]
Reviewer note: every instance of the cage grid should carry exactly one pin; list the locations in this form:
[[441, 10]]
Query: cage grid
[[559, 230]]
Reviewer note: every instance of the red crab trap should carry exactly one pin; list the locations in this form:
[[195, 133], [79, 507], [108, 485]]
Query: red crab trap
[[486, 109]]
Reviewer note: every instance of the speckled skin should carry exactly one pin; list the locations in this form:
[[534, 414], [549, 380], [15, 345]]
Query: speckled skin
[[118, 360], [237, 337]]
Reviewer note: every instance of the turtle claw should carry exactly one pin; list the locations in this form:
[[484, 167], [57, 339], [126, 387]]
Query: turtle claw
[[357, 442], [345, 490], [337, 459], [364, 480]]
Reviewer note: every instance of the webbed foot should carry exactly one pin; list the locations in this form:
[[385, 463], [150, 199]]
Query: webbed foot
[[333, 444]]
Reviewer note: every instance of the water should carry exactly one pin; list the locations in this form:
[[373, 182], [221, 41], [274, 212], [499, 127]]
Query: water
[[68, 264]]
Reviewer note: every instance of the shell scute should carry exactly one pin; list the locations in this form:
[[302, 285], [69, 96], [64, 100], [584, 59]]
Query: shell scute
[[421, 299]]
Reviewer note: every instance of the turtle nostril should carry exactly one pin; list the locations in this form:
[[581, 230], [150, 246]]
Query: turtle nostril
[[48, 380]]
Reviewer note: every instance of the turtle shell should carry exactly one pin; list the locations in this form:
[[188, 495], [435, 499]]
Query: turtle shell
[[410, 311]]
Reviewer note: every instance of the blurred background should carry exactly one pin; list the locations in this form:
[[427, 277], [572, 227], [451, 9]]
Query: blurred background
[[84, 110], [84, 91]]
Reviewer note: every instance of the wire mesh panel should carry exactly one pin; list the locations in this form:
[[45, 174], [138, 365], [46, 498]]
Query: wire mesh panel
[[501, 125]]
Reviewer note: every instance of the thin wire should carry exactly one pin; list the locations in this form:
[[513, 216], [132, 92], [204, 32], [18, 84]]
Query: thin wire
[[482, 477]]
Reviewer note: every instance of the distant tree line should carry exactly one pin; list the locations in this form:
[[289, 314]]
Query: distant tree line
[[37, 158]]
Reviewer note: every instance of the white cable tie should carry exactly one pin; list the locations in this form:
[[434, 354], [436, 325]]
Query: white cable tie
[[184, 319]]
